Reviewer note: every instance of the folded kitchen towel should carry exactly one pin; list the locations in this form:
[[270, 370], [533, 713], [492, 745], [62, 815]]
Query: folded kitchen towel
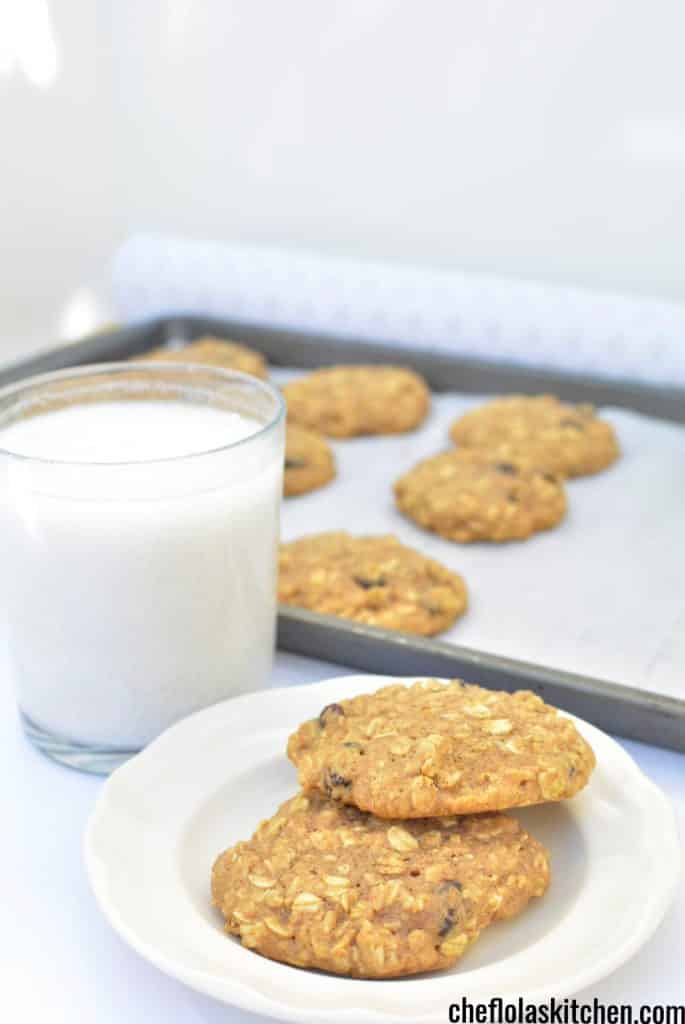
[[490, 317]]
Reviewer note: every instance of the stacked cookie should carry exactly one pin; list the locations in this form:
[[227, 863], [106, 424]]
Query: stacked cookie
[[396, 855]]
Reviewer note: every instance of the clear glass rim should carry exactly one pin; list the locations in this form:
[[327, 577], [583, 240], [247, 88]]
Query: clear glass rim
[[14, 391]]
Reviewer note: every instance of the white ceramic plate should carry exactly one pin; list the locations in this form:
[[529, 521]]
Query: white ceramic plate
[[161, 820]]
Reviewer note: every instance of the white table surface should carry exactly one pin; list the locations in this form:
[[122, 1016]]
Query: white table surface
[[59, 959]]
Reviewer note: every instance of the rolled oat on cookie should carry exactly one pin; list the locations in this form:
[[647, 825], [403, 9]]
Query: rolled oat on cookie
[[441, 748], [375, 580], [346, 401], [322, 885]]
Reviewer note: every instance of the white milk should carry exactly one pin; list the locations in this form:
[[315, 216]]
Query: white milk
[[137, 593], [125, 432]]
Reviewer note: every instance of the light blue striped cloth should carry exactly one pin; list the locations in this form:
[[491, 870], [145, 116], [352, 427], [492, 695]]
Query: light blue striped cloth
[[491, 317]]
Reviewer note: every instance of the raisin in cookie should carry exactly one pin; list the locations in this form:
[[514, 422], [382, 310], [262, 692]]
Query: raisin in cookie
[[309, 461], [441, 748], [344, 401], [569, 440], [476, 495], [370, 579], [325, 886], [229, 355]]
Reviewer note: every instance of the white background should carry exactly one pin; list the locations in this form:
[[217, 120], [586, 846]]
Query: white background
[[542, 139]]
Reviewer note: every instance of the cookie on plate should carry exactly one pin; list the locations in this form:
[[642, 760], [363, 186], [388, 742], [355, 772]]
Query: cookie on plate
[[208, 351], [375, 580], [569, 440], [325, 886], [309, 461], [344, 401], [438, 748], [476, 495]]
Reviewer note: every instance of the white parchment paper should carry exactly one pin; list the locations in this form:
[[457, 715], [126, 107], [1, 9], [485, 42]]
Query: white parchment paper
[[602, 595]]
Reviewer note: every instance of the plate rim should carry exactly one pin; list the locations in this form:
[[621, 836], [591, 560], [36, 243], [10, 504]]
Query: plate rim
[[246, 995]]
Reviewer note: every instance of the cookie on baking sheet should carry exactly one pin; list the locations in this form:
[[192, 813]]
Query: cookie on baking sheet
[[208, 351], [343, 401], [325, 886], [375, 580], [569, 440], [438, 748], [309, 461], [475, 495]]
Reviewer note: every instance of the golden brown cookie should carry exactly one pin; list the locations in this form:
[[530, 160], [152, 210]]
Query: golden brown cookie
[[325, 886], [309, 461], [441, 748], [375, 580], [569, 440], [230, 355], [344, 401], [475, 495]]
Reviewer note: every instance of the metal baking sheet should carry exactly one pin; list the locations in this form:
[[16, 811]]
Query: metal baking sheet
[[290, 348], [653, 718], [622, 710]]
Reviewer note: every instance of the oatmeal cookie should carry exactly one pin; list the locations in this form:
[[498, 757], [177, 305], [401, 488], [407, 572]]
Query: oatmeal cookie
[[208, 351], [309, 461], [326, 886], [375, 580], [344, 401], [569, 440], [441, 748], [476, 495]]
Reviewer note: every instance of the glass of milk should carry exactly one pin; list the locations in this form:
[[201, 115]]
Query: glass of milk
[[139, 510]]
